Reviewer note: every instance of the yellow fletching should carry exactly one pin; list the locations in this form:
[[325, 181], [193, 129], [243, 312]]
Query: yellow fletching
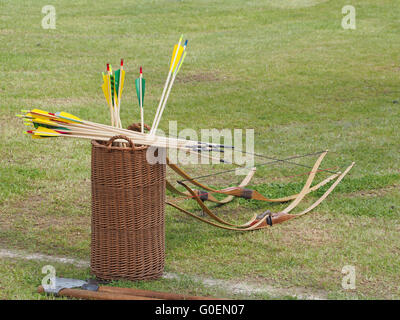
[[44, 121], [178, 57], [104, 87], [108, 83], [39, 114], [121, 85], [69, 116], [42, 131], [45, 113]]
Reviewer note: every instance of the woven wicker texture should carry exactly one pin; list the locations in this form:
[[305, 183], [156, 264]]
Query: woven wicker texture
[[128, 204]]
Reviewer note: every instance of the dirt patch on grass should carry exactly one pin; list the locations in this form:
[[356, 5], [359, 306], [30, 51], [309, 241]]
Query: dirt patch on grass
[[315, 232], [61, 102], [202, 77], [33, 215], [6, 31], [373, 193]]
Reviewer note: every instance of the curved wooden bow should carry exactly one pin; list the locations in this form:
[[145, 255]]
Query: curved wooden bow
[[267, 218]]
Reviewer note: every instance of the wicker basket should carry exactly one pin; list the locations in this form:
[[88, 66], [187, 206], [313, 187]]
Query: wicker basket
[[128, 203]]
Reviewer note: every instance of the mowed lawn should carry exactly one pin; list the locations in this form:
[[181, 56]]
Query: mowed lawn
[[286, 69]]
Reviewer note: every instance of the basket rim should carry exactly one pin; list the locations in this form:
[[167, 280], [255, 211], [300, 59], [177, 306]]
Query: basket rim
[[101, 144]]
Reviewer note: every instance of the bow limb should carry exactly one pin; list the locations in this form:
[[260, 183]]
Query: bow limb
[[284, 214], [307, 185], [280, 217], [327, 192], [255, 195], [212, 215]]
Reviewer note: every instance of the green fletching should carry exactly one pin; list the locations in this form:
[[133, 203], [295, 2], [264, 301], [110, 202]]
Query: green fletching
[[112, 82], [137, 84], [37, 125], [117, 75]]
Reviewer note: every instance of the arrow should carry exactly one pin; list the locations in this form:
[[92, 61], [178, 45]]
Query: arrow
[[36, 122], [114, 98], [119, 77], [174, 55], [69, 117], [176, 70], [140, 84], [104, 87], [113, 95], [119, 82], [183, 58], [108, 81]]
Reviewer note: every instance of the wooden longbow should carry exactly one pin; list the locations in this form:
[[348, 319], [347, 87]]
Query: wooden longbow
[[239, 191], [262, 221], [267, 218]]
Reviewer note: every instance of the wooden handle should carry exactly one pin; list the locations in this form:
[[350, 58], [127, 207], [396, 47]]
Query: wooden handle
[[280, 217], [152, 294], [96, 295]]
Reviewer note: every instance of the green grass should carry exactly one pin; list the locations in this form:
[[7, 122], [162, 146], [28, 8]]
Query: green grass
[[285, 68]]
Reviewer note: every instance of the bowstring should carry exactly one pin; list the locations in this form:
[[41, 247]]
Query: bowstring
[[254, 154], [263, 164], [274, 160]]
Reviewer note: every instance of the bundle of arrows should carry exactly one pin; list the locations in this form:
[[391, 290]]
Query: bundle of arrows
[[63, 124]]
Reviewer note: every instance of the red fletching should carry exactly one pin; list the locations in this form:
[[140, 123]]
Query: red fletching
[[141, 70], [108, 67], [122, 62]]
